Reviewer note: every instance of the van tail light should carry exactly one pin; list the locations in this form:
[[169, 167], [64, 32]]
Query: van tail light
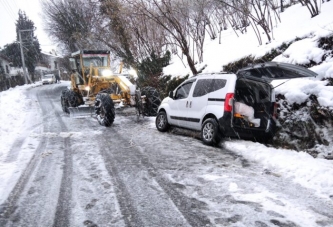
[[275, 115], [228, 102]]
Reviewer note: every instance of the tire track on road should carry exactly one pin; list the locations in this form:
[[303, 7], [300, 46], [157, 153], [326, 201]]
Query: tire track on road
[[129, 212], [8, 208], [63, 210], [120, 162], [10, 205]]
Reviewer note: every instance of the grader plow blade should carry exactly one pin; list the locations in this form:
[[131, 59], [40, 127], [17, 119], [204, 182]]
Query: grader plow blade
[[81, 111]]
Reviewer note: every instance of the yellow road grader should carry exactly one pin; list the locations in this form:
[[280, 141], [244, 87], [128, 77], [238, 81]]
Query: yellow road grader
[[96, 90]]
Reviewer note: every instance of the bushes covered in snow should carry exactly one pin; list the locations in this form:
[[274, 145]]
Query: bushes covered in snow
[[307, 126]]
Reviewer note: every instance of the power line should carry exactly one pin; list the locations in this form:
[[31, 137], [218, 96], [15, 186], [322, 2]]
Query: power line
[[29, 42], [10, 13], [10, 8], [15, 4]]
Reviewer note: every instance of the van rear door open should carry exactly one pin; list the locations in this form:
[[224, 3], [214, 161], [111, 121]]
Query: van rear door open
[[270, 71]]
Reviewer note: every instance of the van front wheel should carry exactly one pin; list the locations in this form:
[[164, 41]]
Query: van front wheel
[[161, 122], [210, 133]]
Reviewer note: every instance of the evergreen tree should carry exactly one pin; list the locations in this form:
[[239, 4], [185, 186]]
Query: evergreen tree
[[12, 51], [30, 43], [150, 70]]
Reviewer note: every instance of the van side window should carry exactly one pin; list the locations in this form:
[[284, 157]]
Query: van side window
[[218, 84], [183, 91], [206, 86], [202, 87]]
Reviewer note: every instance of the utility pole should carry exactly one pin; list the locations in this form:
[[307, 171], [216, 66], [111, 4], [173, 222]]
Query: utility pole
[[22, 55]]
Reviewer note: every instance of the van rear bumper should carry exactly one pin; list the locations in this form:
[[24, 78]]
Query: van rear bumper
[[228, 130]]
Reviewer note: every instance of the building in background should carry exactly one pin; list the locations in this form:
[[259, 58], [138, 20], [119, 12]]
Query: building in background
[[50, 63], [49, 60], [5, 73]]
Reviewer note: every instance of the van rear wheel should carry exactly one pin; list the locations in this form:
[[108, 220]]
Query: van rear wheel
[[210, 133]]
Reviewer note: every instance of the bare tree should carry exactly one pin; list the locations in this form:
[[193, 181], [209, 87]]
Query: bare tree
[[95, 24], [257, 12], [115, 33], [312, 6], [148, 38], [130, 34], [169, 16], [220, 18], [72, 22], [198, 22]]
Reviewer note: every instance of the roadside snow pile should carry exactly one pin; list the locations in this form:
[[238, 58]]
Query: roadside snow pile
[[299, 90], [305, 52], [325, 69], [302, 52], [300, 167], [14, 106], [306, 105]]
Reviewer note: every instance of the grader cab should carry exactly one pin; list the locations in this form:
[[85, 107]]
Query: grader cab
[[96, 90]]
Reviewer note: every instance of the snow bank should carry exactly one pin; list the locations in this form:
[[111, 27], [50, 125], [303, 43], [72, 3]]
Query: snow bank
[[324, 70], [300, 167], [13, 104], [301, 52], [298, 90]]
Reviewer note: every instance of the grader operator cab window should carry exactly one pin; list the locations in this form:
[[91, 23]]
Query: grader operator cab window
[[73, 63], [97, 60]]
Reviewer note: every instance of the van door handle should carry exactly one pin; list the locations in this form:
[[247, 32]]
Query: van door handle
[[190, 104], [186, 104]]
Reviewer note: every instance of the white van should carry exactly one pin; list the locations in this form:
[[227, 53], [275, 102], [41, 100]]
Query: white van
[[228, 105]]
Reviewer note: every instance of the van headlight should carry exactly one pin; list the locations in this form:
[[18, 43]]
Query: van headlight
[[106, 72]]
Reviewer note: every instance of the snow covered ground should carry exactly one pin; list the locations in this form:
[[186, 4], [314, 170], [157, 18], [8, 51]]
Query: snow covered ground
[[16, 108], [299, 167]]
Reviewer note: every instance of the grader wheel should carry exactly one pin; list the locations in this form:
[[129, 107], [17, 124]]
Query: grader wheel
[[152, 101], [104, 109], [74, 98], [64, 101]]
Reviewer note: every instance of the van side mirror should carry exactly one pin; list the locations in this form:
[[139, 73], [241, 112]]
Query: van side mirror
[[171, 94]]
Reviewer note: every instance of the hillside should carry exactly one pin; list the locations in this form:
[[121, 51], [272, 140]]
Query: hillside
[[306, 106], [295, 22]]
